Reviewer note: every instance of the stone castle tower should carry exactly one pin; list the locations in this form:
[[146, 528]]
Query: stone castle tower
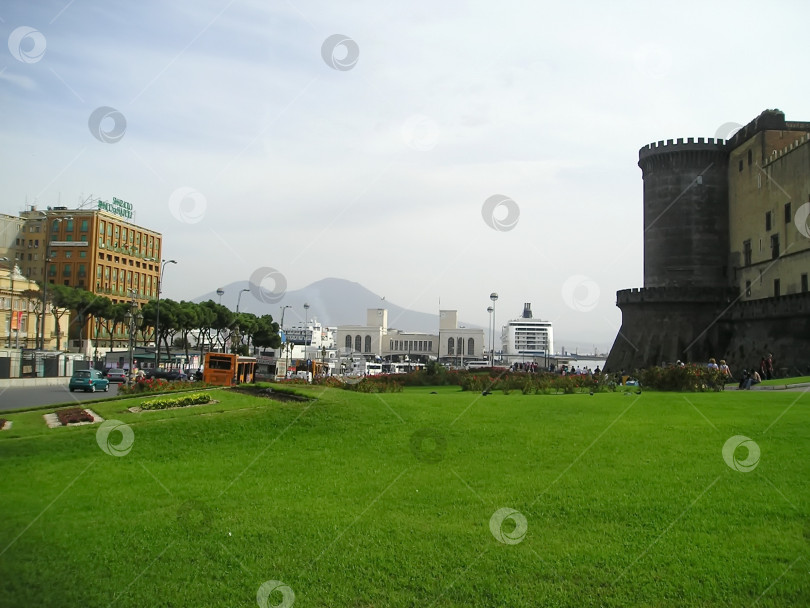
[[706, 203]]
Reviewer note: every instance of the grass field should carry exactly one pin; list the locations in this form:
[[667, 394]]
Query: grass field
[[393, 500], [785, 381]]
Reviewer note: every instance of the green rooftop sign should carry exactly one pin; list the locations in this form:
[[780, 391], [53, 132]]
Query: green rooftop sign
[[118, 207]]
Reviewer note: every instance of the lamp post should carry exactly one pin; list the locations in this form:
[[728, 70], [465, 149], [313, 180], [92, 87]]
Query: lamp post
[[238, 301], [133, 319], [490, 310], [46, 259], [306, 325], [494, 297], [220, 293], [281, 327], [157, 312]]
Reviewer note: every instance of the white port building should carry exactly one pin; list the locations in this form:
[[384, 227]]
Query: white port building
[[527, 338]]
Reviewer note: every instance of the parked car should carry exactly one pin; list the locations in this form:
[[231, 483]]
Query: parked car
[[89, 380], [116, 375], [171, 374]]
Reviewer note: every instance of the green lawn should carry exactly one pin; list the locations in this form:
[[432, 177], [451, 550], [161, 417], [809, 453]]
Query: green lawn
[[386, 500], [784, 381]]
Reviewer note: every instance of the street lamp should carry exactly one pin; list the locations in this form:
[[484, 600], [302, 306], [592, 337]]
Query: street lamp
[[494, 297], [490, 310], [238, 301], [133, 320], [281, 327], [306, 324], [157, 312], [220, 293], [47, 259]]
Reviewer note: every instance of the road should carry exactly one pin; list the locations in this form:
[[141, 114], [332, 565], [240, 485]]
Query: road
[[32, 396]]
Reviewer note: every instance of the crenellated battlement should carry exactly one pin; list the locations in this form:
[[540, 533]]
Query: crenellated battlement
[[689, 144], [777, 154], [675, 294]]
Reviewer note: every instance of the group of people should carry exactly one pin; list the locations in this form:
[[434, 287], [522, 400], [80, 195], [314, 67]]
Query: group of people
[[748, 377]]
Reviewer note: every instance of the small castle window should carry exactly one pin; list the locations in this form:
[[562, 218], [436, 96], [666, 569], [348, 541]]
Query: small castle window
[[788, 216], [767, 220]]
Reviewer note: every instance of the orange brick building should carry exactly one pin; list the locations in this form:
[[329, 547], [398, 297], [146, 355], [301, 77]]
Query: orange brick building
[[97, 249]]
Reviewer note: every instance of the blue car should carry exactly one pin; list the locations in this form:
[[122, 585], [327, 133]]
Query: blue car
[[89, 380]]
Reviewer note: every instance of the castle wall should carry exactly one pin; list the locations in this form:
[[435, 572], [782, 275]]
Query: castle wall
[[726, 252], [685, 213], [663, 325], [775, 183], [778, 326]]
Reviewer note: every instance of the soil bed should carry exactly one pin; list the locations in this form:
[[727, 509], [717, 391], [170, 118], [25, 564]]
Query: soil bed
[[270, 393], [72, 417]]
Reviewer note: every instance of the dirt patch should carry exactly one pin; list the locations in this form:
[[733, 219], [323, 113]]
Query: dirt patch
[[270, 393], [71, 417]]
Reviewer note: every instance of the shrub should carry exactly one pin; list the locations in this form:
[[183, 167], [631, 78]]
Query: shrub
[[375, 384], [692, 378], [145, 386], [182, 401]]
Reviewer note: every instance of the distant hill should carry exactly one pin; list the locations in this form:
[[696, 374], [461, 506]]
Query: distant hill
[[332, 302]]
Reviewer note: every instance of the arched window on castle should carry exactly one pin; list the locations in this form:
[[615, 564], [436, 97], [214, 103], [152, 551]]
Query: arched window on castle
[[368, 344], [471, 347], [450, 344], [349, 342], [358, 343]]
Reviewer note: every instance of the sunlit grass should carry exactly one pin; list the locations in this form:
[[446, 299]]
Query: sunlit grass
[[386, 500]]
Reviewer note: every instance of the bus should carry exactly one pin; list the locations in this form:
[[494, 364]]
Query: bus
[[477, 364], [400, 367], [228, 370]]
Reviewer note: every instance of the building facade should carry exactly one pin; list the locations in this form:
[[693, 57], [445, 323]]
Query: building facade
[[527, 339], [21, 311], [458, 343], [726, 251], [376, 340], [97, 249]]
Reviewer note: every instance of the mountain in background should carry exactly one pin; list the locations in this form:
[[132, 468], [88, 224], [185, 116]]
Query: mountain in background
[[332, 302]]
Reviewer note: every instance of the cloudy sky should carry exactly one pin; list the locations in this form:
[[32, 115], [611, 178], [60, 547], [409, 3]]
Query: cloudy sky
[[363, 140]]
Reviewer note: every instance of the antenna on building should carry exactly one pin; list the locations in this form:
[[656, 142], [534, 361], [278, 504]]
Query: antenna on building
[[85, 202]]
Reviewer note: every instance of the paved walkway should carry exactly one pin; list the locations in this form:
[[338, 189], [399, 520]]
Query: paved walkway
[[802, 386]]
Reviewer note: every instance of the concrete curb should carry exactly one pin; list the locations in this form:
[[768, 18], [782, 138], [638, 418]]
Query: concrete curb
[[23, 382], [775, 387]]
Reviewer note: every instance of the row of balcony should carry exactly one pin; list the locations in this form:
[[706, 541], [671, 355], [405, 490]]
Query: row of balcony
[[126, 250]]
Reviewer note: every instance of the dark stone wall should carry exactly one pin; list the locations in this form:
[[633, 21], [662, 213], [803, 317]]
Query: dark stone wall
[[777, 326], [685, 214], [663, 325], [666, 324]]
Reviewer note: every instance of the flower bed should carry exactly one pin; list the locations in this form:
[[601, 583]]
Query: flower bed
[[143, 386], [180, 401], [73, 415]]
